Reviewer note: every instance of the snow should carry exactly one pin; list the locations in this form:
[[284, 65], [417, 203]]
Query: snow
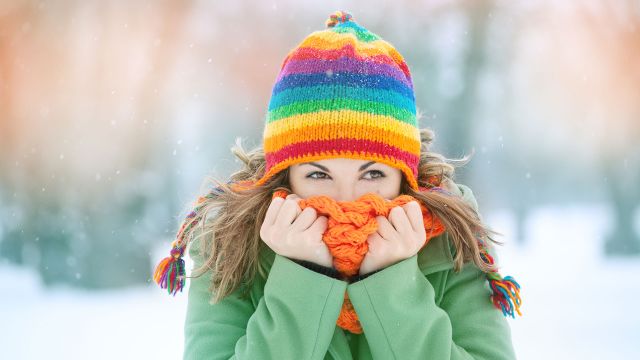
[[577, 304], [64, 323]]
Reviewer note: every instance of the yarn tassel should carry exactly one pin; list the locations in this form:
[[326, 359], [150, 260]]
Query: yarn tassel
[[505, 291], [506, 294], [170, 272]]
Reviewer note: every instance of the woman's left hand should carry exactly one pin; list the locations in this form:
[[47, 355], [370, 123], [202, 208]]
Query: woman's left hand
[[395, 240]]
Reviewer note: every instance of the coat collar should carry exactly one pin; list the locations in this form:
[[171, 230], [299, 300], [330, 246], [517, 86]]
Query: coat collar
[[436, 256]]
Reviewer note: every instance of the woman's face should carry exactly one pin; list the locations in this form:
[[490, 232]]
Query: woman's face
[[344, 179]]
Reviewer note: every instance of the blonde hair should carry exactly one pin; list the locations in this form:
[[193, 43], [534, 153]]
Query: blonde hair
[[229, 235]]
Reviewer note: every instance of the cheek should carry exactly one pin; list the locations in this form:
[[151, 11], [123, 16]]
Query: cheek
[[391, 187], [297, 186], [390, 192], [306, 189]]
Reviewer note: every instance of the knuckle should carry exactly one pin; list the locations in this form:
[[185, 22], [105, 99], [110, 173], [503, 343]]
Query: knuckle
[[291, 203], [410, 206], [264, 229], [293, 197]]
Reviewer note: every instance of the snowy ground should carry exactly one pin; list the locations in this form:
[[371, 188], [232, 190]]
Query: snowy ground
[[576, 304]]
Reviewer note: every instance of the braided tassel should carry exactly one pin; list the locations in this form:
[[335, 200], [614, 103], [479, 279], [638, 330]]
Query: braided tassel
[[170, 272], [506, 291]]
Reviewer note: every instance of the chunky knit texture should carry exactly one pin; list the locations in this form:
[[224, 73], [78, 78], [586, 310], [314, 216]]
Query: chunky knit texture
[[343, 92]]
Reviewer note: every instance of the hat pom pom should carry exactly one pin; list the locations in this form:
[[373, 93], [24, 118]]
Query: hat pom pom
[[338, 17]]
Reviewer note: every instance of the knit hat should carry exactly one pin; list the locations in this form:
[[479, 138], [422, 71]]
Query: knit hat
[[343, 92]]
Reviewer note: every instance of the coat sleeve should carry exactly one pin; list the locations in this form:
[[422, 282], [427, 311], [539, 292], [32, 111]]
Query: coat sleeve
[[294, 319], [402, 318]]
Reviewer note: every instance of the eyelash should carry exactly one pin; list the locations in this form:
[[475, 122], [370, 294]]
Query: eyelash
[[324, 178]]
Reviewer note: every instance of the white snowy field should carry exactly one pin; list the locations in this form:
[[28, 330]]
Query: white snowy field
[[576, 303]]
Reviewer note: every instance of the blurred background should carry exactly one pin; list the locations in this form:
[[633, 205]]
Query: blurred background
[[112, 114]]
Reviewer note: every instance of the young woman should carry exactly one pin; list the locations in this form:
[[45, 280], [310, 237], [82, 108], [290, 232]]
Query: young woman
[[343, 236]]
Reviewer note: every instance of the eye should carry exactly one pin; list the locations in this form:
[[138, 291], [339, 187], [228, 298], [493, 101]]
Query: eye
[[378, 173], [322, 175]]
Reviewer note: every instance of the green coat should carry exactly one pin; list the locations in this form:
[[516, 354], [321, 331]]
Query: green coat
[[418, 308]]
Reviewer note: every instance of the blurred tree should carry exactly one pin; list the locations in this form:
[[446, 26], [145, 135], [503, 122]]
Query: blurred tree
[[74, 231], [614, 29], [117, 241], [461, 124], [12, 18]]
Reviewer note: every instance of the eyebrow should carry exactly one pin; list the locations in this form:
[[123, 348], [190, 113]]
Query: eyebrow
[[327, 170]]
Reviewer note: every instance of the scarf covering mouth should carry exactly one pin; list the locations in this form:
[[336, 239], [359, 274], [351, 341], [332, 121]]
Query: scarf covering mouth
[[349, 225]]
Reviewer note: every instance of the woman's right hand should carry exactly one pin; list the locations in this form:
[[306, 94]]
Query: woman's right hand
[[295, 233]]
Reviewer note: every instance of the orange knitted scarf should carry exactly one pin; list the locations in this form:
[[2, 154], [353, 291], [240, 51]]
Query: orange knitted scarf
[[349, 225]]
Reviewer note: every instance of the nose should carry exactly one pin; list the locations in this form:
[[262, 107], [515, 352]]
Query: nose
[[346, 192]]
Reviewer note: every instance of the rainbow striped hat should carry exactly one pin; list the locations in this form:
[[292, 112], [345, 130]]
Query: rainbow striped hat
[[342, 92]]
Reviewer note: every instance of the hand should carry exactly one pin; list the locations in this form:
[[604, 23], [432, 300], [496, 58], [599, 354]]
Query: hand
[[291, 232], [397, 240]]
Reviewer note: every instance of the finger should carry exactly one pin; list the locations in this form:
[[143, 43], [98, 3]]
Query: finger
[[319, 224], [414, 213], [305, 219], [385, 229], [272, 211], [288, 212], [398, 218], [374, 241]]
